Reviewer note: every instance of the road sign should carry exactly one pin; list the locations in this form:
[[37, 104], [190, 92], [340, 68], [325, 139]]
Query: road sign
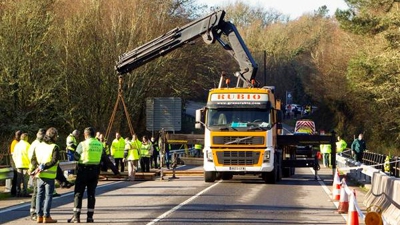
[[289, 97], [163, 112]]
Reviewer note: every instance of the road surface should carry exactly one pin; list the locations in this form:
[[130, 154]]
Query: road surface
[[189, 200]]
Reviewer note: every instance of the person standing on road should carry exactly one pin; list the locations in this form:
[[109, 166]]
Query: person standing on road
[[288, 111], [167, 154], [21, 162], [325, 150], [340, 145], [88, 154], [146, 150], [358, 147], [71, 146], [117, 151], [198, 147], [131, 155], [60, 178], [17, 138], [326, 153], [39, 138], [106, 160], [156, 153], [45, 159], [295, 112]]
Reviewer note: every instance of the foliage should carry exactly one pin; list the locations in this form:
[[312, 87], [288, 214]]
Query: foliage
[[28, 73], [373, 72], [57, 62]]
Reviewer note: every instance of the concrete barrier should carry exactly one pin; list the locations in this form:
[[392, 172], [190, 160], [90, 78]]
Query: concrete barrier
[[391, 214], [384, 191], [375, 190], [381, 192]]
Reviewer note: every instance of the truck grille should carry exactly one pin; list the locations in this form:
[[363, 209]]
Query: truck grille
[[238, 140], [238, 157]]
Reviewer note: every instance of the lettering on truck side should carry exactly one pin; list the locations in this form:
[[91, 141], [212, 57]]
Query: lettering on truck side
[[239, 97]]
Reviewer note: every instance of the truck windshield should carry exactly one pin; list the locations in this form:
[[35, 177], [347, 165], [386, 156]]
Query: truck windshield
[[238, 118]]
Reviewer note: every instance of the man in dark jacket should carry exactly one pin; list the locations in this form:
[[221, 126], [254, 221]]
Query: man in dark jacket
[[358, 147]]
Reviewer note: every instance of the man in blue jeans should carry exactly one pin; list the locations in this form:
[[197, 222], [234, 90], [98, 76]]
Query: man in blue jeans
[[45, 160], [60, 178]]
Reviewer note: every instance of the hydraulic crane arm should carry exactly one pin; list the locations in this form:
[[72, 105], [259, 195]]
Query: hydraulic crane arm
[[211, 28]]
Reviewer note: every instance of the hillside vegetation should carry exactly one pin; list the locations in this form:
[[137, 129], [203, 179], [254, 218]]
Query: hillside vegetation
[[57, 62]]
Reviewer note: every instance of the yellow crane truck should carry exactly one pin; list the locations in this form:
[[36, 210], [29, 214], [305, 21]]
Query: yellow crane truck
[[242, 124]]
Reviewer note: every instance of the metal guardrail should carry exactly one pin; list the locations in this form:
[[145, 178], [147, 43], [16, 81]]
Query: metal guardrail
[[184, 153], [6, 173], [372, 158], [5, 159], [395, 167], [68, 165]]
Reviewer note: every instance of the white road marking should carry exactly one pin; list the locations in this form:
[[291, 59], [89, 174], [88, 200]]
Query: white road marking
[[181, 204], [329, 193]]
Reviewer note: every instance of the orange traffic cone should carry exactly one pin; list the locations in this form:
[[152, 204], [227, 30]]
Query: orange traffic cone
[[352, 218], [344, 198], [336, 186]]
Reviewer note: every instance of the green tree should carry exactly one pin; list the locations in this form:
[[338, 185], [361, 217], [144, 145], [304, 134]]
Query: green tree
[[373, 73], [28, 82]]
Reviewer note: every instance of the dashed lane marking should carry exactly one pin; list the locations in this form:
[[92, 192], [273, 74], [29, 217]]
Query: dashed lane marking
[[164, 215]]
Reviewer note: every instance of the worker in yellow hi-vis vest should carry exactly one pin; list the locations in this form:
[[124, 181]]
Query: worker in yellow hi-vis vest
[[117, 151], [146, 151], [326, 153], [21, 162], [198, 148], [340, 145], [132, 156], [45, 159], [88, 154]]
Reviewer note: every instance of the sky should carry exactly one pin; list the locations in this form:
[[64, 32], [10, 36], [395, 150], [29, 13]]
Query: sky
[[293, 8]]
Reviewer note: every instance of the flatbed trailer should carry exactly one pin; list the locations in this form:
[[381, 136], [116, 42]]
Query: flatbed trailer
[[291, 159]]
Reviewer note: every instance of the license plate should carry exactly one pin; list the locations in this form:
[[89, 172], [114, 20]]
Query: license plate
[[235, 168]]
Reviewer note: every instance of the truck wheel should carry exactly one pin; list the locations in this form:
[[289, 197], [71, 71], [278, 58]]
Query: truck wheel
[[286, 172], [227, 176], [273, 176], [269, 177], [209, 176]]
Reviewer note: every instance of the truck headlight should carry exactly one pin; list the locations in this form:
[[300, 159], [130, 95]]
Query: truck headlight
[[266, 156], [209, 155]]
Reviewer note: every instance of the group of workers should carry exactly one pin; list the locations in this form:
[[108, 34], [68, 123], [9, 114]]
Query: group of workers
[[135, 153], [358, 147], [39, 162]]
